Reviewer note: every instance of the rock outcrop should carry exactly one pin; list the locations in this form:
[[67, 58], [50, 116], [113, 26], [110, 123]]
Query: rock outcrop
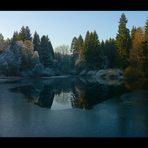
[[104, 76]]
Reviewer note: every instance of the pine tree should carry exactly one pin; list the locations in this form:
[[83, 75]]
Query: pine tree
[[92, 52], [123, 42], [2, 43], [77, 45], [51, 50], [145, 50], [146, 31], [36, 41], [22, 34], [15, 37], [133, 32], [80, 45], [28, 34], [77, 50], [86, 45], [109, 53], [46, 53], [25, 34], [73, 44]]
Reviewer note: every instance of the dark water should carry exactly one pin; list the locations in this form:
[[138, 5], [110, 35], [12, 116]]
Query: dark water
[[73, 107]]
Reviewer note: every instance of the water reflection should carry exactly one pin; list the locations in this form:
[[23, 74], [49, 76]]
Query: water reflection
[[136, 84], [72, 93]]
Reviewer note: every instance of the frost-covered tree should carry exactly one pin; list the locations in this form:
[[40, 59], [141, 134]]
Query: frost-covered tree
[[3, 43]]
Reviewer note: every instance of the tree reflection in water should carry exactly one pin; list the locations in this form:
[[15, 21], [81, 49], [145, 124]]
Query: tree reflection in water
[[81, 94], [46, 97], [90, 94]]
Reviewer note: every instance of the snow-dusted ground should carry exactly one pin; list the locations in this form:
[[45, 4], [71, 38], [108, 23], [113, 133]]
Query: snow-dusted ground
[[123, 116]]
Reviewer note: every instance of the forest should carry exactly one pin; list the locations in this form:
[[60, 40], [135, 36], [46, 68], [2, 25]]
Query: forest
[[30, 55]]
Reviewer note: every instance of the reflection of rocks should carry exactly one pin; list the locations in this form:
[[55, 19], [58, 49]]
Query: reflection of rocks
[[109, 77], [110, 74], [110, 82], [104, 81], [83, 73], [104, 76]]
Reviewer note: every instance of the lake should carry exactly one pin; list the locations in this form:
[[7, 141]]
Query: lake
[[73, 107]]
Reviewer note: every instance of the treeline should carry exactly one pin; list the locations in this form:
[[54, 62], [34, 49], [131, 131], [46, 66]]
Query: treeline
[[25, 55], [128, 51], [42, 45], [35, 55], [90, 53]]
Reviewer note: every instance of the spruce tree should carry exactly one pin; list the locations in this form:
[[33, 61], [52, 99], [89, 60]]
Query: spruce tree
[[36, 41], [92, 52], [146, 31], [133, 32], [73, 44], [145, 50], [28, 34], [123, 42], [109, 53], [77, 49], [46, 53], [25, 34], [77, 44]]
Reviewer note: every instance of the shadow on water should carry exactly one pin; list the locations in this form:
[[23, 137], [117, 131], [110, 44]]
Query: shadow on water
[[79, 92]]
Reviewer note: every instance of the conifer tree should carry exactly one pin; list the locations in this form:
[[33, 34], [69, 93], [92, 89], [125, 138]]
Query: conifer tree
[[25, 34], [36, 41], [123, 42], [46, 53], [92, 52]]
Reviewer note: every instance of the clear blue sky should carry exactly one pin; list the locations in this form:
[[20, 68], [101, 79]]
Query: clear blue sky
[[62, 26]]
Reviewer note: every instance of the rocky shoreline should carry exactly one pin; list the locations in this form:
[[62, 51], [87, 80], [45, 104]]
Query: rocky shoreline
[[103, 76]]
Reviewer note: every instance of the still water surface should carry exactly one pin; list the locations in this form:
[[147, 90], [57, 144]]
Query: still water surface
[[73, 107]]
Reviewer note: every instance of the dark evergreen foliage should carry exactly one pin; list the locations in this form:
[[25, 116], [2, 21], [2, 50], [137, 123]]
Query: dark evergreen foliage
[[36, 41], [25, 34], [46, 52], [123, 42]]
